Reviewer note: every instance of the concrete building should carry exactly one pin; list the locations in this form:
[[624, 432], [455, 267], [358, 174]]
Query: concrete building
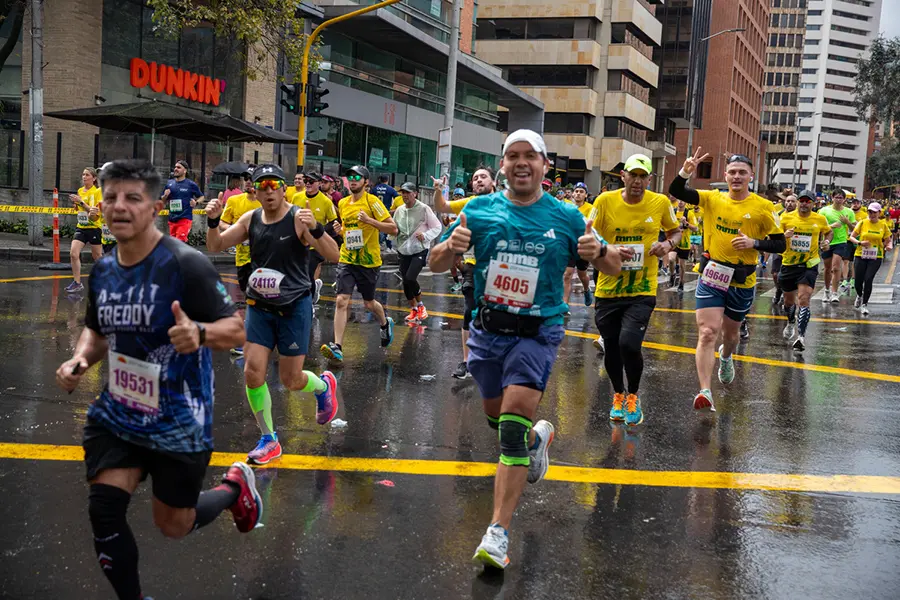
[[729, 117], [833, 142], [590, 63]]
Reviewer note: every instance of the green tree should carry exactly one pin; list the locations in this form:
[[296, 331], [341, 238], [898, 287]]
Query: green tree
[[883, 167], [878, 82], [267, 29]]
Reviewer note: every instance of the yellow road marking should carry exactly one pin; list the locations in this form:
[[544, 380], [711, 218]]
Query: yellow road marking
[[858, 484], [890, 273], [783, 318], [41, 278]]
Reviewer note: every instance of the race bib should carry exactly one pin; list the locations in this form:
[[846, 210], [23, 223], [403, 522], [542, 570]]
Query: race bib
[[717, 276], [512, 285], [83, 219], [175, 205], [108, 237], [801, 242], [636, 262], [870, 253], [134, 383], [266, 282], [353, 239]]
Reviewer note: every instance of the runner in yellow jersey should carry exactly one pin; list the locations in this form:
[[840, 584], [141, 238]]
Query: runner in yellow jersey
[[697, 238], [363, 217], [326, 215], [293, 190], [579, 199], [630, 220], [482, 184], [807, 233], [235, 208], [789, 205], [739, 224], [871, 238], [89, 227], [687, 223]]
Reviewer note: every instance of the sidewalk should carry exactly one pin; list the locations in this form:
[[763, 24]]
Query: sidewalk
[[15, 247]]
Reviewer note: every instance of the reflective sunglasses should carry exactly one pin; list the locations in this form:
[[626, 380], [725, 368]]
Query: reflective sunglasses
[[354, 177], [268, 184], [739, 158]]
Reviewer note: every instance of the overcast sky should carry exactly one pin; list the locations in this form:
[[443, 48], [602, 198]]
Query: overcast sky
[[890, 19]]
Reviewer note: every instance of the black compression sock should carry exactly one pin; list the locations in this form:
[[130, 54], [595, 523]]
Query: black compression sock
[[114, 542], [212, 502]]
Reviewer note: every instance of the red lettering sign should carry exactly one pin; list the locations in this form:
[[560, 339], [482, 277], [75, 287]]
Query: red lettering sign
[[164, 79]]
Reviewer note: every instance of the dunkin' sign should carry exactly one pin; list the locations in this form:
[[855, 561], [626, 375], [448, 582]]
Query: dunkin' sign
[[164, 79]]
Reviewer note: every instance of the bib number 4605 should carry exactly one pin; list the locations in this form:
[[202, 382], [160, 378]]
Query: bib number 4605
[[515, 285]]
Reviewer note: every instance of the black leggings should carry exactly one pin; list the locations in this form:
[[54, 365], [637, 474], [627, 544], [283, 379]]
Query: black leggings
[[622, 323], [864, 274], [410, 267]]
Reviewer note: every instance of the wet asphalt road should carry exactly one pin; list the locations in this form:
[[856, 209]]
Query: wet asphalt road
[[346, 534]]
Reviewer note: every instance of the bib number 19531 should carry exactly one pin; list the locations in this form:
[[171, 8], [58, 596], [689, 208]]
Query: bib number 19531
[[134, 382], [512, 285]]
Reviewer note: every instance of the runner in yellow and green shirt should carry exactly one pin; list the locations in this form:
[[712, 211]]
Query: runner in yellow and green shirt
[[871, 238], [326, 215]]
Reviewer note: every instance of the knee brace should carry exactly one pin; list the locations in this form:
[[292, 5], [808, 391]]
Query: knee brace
[[107, 508], [514, 440], [493, 422]]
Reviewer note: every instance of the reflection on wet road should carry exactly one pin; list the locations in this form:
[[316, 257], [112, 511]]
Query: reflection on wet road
[[393, 505]]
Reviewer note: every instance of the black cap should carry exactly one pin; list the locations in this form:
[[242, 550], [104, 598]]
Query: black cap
[[267, 171], [808, 194], [409, 186], [359, 170], [312, 175]]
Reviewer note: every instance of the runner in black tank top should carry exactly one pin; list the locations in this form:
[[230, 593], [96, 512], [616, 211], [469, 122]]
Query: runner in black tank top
[[279, 306]]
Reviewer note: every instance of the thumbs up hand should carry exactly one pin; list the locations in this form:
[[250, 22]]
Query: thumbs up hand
[[742, 242], [185, 334], [306, 216], [461, 238], [590, 244]]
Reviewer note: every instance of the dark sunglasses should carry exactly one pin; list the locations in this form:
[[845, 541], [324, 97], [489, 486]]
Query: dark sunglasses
[[308, 181], [739, 158], [354, 177]]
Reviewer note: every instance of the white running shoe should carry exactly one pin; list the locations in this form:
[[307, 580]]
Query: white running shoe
[[491, 552], [826, 297], [789, 330], [317, 292], [865, 309], [835, 297], [799, 344], [598, 344], [540, 461], [857, 303]]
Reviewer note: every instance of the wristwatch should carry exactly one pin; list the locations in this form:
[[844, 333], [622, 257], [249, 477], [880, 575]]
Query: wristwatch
[[202, 330]]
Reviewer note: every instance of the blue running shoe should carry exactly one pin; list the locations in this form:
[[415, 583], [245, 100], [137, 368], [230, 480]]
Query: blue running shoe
[[267, 450], [588, 298], [327, 402], [633, 413], [387, 333], [74, 287], [617, 412], [332, 351]]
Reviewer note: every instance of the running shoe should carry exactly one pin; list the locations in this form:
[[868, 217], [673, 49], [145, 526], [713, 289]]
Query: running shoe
[[826, 296], [680, 286], [745, 330], [703, 402], [332, 351], [789, 330], [74, 287], [387, 333], [844, 289], [462, 371], [412, 316], [247, 510], [539, 459], [588, 297], [422, 313], [835, 297], [327, 402], [664, 271], [598, 344], [633, 413], [455, 288], [799, 344], [317, 291], [779, 293], [865, 309], [617, 412], [267, 450], [726, 367], [491, 552], [857, 303], [237, 351]]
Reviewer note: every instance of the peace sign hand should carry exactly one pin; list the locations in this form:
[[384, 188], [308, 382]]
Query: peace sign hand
[[690, 165]]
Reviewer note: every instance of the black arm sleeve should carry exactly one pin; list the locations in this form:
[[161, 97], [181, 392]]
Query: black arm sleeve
[[205, 298], [681, 190], [775, 242], [90, 316]]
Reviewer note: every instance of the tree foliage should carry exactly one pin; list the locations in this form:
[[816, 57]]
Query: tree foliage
[[878, 82], [883, 167], [271, 27]]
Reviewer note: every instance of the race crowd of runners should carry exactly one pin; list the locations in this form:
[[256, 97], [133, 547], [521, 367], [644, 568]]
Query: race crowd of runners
[[156, 309]]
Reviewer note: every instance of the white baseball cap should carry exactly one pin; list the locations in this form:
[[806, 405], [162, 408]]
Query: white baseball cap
[[526, 135]]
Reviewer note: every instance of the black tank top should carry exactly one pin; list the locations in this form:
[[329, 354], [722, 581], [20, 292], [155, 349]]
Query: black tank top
[[279, 260]]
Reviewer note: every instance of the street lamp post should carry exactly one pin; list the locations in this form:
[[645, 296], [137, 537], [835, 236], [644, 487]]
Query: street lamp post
[[833, 148], [691, 79], [797, 146]]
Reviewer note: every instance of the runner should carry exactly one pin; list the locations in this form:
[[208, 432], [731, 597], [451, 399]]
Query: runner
[[156, 309], [579, 198], [524, 238], [417, 226], [837, 257], [363, 217], [279, 308], [88, 230], [790, 205], [807, 233], [739, 225], [328, 188], [182, 195], [630, 219], [894, 215], [697, 238], [237, 207], [323, 209], [687, 223], [293, 190], [482, 184], [871, 237]]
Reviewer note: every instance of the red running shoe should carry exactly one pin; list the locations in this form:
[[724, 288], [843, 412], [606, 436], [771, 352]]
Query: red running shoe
[[247, 510]]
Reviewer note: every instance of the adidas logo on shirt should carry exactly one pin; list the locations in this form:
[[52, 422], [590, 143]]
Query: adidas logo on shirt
[[649, 220], [747, 216], [550, 234]]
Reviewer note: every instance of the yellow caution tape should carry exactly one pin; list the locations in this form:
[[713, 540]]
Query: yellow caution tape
[[49, 210]]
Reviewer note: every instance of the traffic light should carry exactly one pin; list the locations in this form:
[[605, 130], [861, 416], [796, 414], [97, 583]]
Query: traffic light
[[314, 94], [291, 97]]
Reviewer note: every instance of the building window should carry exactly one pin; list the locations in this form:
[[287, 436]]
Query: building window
[[704, 170], [535, 29], [549, 75], [567, 123]]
